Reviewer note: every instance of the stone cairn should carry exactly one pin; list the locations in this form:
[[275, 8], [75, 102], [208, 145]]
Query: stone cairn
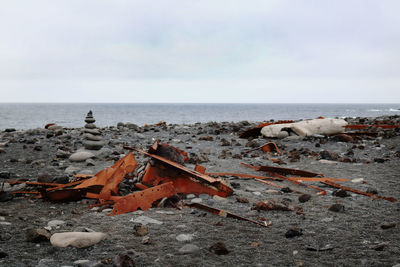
[[92, 139]]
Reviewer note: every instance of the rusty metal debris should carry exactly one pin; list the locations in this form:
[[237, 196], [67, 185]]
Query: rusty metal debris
[[224, 213], [268, 147], [332, 184]]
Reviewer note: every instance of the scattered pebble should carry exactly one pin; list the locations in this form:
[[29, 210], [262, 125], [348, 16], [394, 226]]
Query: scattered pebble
[[184, 237], [304, 198], [293, 233], [336, 208], [219, 248], [388, 225], [144, 220], [189, 249]]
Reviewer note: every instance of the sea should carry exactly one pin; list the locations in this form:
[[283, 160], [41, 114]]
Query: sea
[[36, 115]]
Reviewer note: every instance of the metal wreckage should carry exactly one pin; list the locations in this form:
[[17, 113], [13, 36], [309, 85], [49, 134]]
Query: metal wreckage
[[165, 176]]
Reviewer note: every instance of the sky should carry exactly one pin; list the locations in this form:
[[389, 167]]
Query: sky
[[202, 51]]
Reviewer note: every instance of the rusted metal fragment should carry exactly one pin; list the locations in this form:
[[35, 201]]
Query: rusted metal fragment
[[224, 213], [12, 182], [268, 147], [391, 199], [256, 131], [185, 180], [284, 171], [365, 126], [323, 179], [111, 175], [200, 169], [143, 199], [272, 204], [243, 175], [65, 194]]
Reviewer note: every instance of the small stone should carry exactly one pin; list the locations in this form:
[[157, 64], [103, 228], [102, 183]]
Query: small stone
[[93, 145], [380, 246], [336, 208], [242, 200], [146, 240], [81, 156], [144, 220], [46, 263], [219, 248], [140, 230], [286, 190], [196, 200], [293, 233], [123, 260], [55, 223], [76, 239], [358, 180], [5, 175], [219, 199], [388, 225], [72, 170], [3, 254], [371, 190], [189, 249], [5, 196], [184, 237], [190, 196], [341, 193], [304, 198], [37, 235], [327, 220], [61, 154]]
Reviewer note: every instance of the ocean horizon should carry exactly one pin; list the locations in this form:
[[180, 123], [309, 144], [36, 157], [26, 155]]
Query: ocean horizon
[[36, 115]]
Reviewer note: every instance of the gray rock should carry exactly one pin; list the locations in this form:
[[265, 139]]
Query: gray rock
[[90, 162], [92, 131], [189, 249], [81, 156], [72, 170], [55, 223], [184, 237], [46, 263], [62, 154], [144, 220], [92, 137], [93, 145], [37, 235], [196, 200]]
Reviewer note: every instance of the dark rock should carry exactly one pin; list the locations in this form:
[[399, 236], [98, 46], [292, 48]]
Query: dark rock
[[37, 148], [388, 225], [304, 198], [140, 230], [379, 160], [293, 233], [9, 130], [37, 235], [372, 190], [286, 190], [235, 185], [219, 248], [252, 144], [5, 175], [123, 260], [45, 178], [3, 254], [341, 193], [336, 208], [5, 196], [381, 246], [61, 179], [325, 154], [242, 200], [206, 138], [225, 142]]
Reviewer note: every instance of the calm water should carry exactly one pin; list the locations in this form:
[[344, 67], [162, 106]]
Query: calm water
[[25, 116]]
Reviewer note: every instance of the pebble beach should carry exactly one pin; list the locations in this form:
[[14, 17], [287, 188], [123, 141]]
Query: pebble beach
[[337, 229]]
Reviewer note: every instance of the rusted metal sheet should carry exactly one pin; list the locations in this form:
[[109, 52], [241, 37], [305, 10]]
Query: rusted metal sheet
[[391, 199], [365, 126], [143, 199], [256, 131], [224, 213], [124, 165], [185, 180], [284, 171], [243, 175], [323, 179], [268, 147]]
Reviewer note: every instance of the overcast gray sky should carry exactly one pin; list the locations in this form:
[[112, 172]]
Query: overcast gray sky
[[200, 51]]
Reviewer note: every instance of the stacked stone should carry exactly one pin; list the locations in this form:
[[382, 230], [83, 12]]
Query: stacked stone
[[92, 139]]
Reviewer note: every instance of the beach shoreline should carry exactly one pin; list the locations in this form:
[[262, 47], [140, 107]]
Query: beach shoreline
[[353, 236]]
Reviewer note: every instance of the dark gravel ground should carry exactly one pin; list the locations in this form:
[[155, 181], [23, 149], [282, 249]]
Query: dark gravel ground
[[353, 236]]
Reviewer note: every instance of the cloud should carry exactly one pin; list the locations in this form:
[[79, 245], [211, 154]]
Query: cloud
[[72, 42]]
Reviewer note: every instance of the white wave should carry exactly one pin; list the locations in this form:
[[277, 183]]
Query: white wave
[[374, 110], [394, 109]]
